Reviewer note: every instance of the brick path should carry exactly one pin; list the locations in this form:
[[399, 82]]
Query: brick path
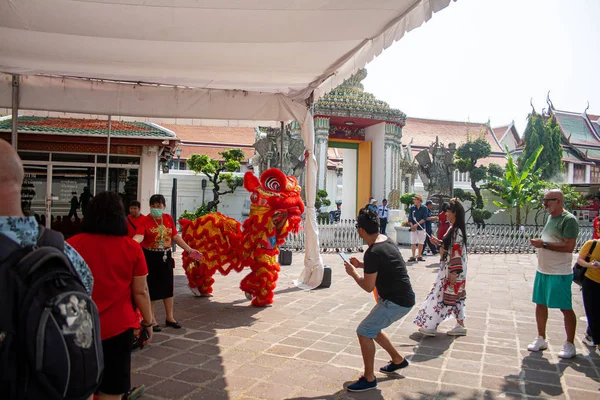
[[305, 347]]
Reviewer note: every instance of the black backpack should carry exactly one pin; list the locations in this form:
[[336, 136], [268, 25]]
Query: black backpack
[[50, 345]]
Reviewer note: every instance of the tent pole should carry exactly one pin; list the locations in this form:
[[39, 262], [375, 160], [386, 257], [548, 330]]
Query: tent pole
[[107, 155], [15, 111], [281, 149]]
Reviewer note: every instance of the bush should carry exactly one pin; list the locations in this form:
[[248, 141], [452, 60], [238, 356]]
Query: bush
[[407, 200], [200, 211]]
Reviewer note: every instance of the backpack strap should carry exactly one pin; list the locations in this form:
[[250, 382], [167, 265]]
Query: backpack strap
[[48, 237], [587, 259], [7, 247]]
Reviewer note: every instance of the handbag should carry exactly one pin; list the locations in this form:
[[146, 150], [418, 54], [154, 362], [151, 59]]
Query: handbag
[[578, 270]]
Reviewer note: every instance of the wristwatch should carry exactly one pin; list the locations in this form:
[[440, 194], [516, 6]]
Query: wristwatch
[[545, 245]]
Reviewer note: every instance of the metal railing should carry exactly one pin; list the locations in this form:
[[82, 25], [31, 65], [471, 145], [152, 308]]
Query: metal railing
[[510, 239], [333, 236]]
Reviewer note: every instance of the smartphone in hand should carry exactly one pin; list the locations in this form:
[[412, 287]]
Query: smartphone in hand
[[344, 257]]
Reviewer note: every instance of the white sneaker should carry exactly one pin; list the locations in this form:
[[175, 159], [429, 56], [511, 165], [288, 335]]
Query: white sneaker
[[196, 291], [538, 344], [458, 330], [587, 340], [568, 351], [428, 332]]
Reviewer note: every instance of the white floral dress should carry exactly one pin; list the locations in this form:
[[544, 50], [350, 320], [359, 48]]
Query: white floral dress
[[447, 298]]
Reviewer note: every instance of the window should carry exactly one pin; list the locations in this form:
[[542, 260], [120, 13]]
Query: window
[[178, 165], [79, 158]]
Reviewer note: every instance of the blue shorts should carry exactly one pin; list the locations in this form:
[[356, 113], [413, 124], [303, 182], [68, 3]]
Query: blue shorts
[[553, 291], [381, 316]]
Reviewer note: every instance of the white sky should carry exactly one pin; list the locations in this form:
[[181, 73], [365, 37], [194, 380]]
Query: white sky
[[480, 59]]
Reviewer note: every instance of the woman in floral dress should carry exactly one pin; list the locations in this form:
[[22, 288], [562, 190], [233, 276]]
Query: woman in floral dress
[[447, 297]]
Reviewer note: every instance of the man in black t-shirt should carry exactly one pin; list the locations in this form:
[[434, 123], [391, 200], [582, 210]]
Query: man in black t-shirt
[[385, 272]]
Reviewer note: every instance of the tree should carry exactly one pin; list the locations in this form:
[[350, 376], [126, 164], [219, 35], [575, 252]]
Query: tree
[[467, 156], [320, 201], [407, 200], [572, 198], [517, 189], [219, 172], [537, 133]]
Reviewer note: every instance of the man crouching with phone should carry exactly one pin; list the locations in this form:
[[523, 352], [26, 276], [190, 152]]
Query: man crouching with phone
[[385, 271]]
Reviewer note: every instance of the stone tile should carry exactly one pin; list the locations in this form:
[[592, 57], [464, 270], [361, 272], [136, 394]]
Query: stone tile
[[199, 335], [472, 347], [332, 347], [547, 378], [575, 394], [585, 383], [156, 352], [316, 355], [139, 378], [461, 378], [271, 391], [206, 349], [424, 373], [190, 358], [196, 375], [208, 394], [270, 360], [505, 384], [465, 355], [458, 392], [180, 344], [473, 367], [232, 383], [171, 389], [164, 369], [282, 350]]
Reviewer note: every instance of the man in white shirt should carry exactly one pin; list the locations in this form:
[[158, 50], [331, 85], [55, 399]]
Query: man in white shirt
[[383, 212]]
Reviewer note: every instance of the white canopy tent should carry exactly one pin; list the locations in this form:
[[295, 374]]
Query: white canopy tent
[[209, 59]]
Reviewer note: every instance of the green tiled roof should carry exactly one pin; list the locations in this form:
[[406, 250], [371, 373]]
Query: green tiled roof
[[80, 127], [576, 127]]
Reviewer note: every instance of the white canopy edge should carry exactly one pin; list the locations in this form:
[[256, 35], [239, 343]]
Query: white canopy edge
[[86, 96]]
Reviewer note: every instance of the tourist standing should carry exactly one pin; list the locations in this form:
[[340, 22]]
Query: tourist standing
[[84, 200], [155, 234], [417, 215], [135, 218], [384, 270], [384, 214], [591, 292], [596, 234], [428, 228], [119, 270], [448, 295], [74, 206], [554, 277], [443, 220], [372, 205]]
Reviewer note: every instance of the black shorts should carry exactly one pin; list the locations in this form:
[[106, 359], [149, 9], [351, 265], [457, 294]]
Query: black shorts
[[117, 363]]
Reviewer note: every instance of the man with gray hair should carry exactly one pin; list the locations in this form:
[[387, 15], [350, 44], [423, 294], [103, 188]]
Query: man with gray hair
[[554, 277]]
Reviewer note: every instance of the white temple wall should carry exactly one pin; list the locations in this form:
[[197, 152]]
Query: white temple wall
[[349, 184]]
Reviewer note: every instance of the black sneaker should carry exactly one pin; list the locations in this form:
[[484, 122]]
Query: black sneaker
[[361, 385], [391, 368]]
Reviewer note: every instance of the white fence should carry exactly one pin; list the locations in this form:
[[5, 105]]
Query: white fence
[[343, 236], [336, 236], [507, 239]]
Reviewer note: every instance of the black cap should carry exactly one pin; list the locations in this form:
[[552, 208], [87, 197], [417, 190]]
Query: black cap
[[428, 202]]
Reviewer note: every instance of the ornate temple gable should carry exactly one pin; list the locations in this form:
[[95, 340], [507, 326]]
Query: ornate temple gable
[[350, 100]]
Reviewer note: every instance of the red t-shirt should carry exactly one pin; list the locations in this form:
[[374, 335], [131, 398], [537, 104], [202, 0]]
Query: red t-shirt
[[113, 261], [596, 234], [443, 228], [133, 223], [154, 232]]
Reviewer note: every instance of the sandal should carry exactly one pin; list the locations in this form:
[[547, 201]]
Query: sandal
[[420, 259], [411, 259]]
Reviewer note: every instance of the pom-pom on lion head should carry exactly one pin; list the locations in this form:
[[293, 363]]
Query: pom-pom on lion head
[[275, 190]]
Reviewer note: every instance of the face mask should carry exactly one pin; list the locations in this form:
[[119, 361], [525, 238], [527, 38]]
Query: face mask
[[156, 212]]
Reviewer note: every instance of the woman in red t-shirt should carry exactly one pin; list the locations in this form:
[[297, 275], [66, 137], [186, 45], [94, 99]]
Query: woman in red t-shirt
[[155, 233], [119, 269], [444, 224]]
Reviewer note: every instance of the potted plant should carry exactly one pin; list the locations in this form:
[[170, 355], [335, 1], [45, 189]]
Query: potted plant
[[403, 233]]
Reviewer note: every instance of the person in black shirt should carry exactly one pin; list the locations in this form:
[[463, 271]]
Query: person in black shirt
[[385, 272]]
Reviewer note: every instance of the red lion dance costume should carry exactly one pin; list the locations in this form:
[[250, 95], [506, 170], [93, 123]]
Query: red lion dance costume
[[275, 211]]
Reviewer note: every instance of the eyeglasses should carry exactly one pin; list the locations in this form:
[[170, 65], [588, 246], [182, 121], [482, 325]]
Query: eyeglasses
[[546, 201]]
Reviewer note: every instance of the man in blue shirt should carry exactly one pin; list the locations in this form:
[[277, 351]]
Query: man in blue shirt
[[417, 215]]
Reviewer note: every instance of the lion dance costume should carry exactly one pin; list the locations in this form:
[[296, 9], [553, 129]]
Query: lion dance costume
[[226, 245]]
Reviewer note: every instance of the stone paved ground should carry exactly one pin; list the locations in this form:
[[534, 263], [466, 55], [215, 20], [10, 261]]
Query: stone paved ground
[[304, 346]]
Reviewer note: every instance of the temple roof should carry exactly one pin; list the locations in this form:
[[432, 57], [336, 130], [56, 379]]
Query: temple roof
[[350, 100], [86, 127], [423, 132], [211, 140]]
